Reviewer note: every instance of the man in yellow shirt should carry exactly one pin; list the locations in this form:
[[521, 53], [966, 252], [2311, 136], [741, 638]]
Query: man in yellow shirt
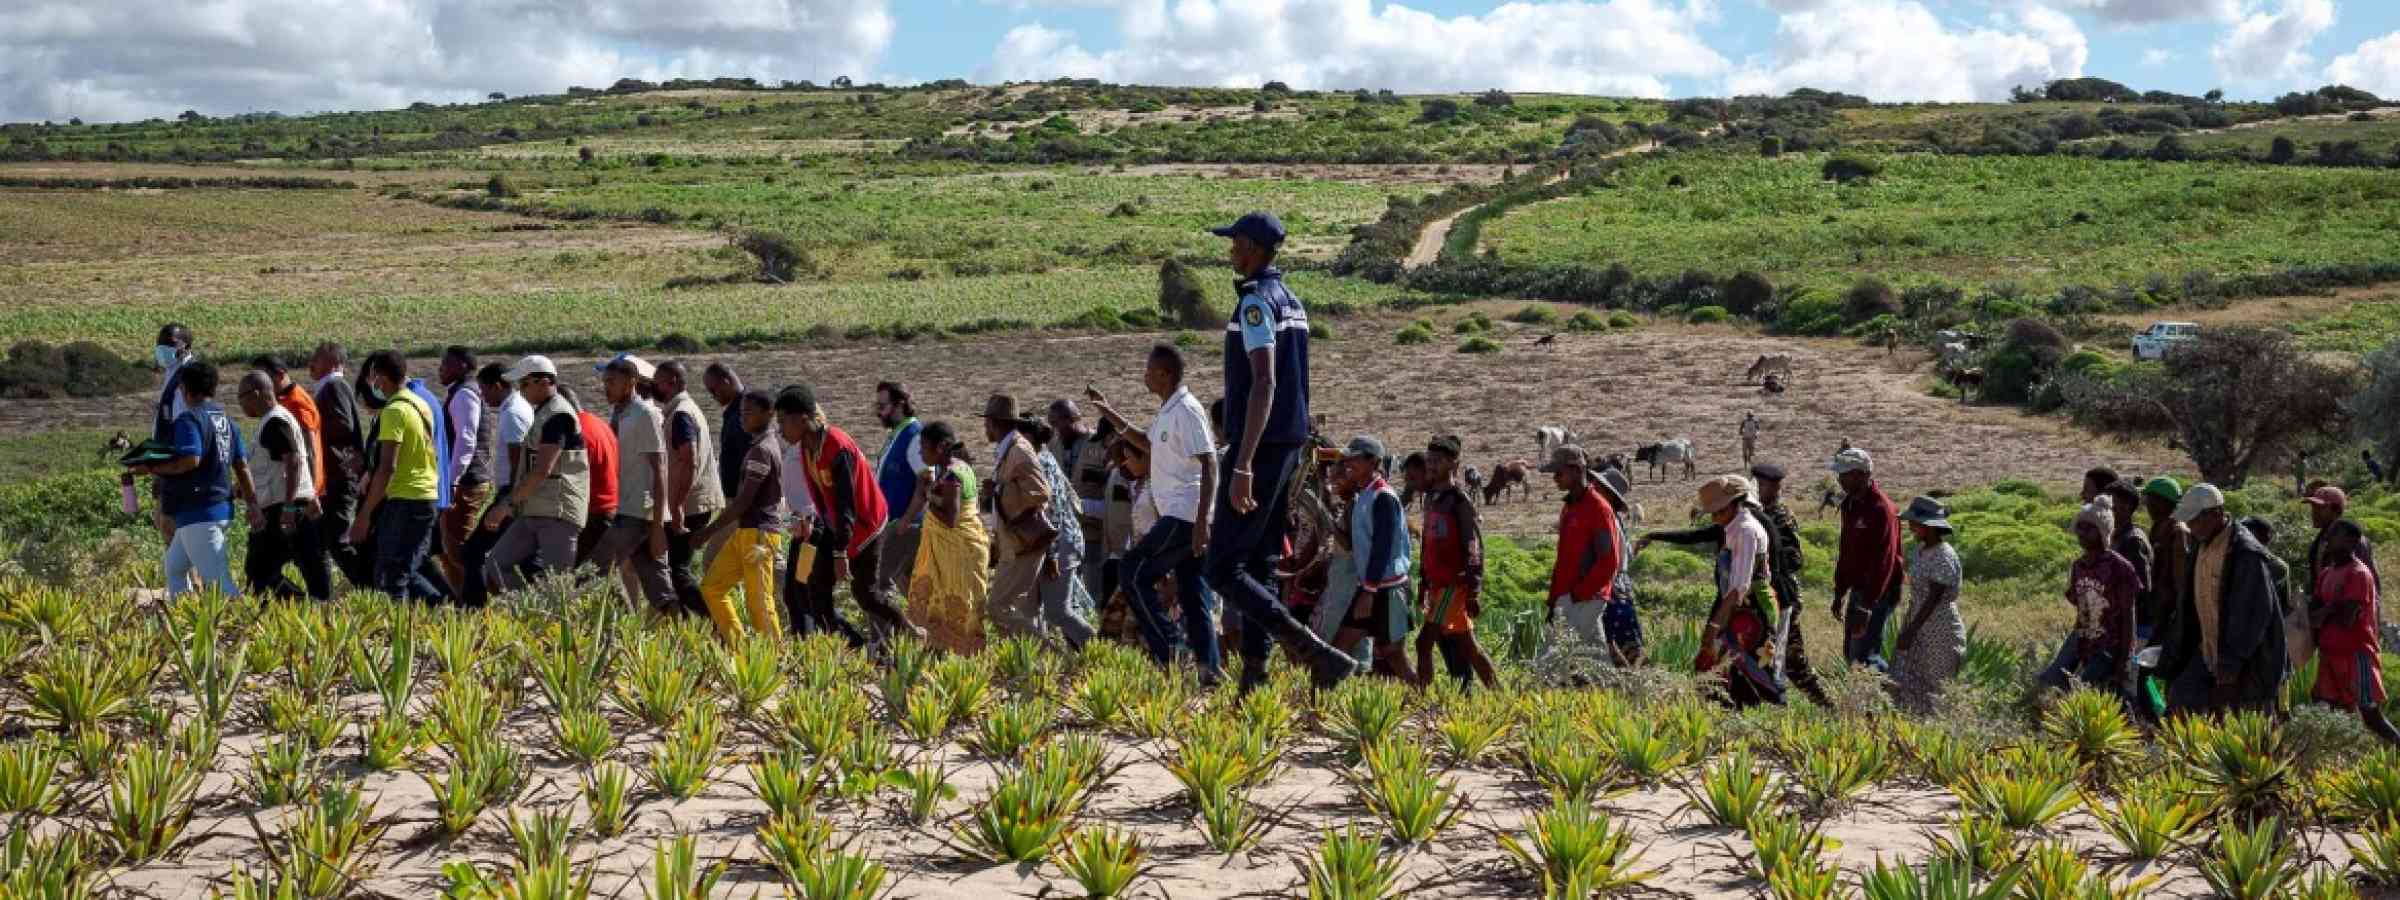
[[404, 484]]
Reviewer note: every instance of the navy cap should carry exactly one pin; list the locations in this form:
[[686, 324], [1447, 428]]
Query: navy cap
[[1261, 228]]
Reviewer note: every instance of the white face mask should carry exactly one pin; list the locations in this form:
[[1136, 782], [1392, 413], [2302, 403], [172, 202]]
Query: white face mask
[[165, 355]]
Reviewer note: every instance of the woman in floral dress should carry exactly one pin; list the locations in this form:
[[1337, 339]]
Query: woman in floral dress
[[1933, 639]]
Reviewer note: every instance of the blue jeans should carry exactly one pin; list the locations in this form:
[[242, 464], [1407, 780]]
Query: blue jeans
[[199, 548], [2098, 670], [1863, 626], [1244, 548], [404, 551], [1166, 550]]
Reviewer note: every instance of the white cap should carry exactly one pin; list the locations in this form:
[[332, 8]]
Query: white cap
[[1852, 460], [642, 368], [532, 365], [2199, 499]]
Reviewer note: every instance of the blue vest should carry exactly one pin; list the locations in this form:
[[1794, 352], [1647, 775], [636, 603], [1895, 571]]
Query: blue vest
[[1288, 422], [1362, 536], [211, 482], [893, 474]]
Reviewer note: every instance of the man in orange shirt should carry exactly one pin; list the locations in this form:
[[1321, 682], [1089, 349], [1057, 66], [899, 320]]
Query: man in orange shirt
[[303, 409]]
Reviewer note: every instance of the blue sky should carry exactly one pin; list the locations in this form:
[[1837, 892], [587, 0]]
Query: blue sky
[[107, 60]]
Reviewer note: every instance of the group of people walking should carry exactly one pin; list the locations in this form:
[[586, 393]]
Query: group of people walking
[[489, 476]]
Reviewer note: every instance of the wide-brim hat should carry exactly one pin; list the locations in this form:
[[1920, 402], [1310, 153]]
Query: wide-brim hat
[[1614, 483], [1928, 512], [1722, 491]]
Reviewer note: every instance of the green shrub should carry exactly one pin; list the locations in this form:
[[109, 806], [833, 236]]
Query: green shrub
[[1534, 315], [1180, 297], [35, 370], [1851, 167], [1623, 319], [1320, 331], [1586, 320], [1707, 315], [1479, 344], [1474, 323], [1413, 335], [1748, 292]]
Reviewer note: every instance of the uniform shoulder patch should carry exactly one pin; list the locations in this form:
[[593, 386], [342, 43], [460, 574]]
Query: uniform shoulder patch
[[1254, 316]]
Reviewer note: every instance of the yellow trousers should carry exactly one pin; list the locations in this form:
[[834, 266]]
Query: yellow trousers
[[746, 560]]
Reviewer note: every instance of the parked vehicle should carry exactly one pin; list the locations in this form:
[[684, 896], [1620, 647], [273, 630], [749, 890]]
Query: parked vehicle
[[2161, 337]]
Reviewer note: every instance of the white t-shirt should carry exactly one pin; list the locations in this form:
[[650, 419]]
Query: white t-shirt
[[640, 429], [1177, 437], [796, 502], [1145, 513], [516, 418]]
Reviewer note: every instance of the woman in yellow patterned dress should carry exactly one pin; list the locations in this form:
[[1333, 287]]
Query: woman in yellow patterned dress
[[946, 595]]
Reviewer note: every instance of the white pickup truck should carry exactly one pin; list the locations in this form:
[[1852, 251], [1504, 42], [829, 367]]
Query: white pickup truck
[[2161, 337]]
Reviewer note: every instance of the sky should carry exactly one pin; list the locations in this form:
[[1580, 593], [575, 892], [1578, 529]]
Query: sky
[[116, 60]]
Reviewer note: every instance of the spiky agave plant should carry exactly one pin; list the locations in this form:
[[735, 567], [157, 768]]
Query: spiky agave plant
[[925, 717], [1642, 750], [150, 800], [1363, 712], [676, 872], [607, 799], [387, 741], [863, 760], [1734, 790], [1566, 759], [1833, 772], [1577, 852], [55, 867], [1471, 727], [283, 769], [79, 688], [1942, 756], [387, 664], [327, 847], [788, 782], [1102, 698], [690, 754], [1779, 840], [1351, 865], [821, 723], [1011, 729], [2254, 863], [29, 778], [1979, 841], [752, 671], [2242, 765], [1229, 822], [209, 669], [923, 787], [464, 713], [2057, 871], [544, 837], [2368, 791], [583, 736], [2019, 799], [1941, 877], [1402, 789], [965, 683], [1026, 813], [2153, 815], [659, 680], [2091, 725], [1103, 861]]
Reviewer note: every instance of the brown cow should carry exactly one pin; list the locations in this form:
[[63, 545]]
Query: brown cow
[[1513, 473]]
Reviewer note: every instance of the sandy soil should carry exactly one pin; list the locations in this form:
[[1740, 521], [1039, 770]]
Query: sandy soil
[[1617, 390]]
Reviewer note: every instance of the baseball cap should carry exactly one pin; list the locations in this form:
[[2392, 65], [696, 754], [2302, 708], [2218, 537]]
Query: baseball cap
[[1852, 460], [1767, 472], [629, 364], [2164, 488], [1448, 444], [1562, 457], [1363, 445], [2200, 499], [532, 365], [1261, 228], [2328, 496]]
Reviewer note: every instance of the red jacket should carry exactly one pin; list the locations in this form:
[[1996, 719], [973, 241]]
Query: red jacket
[[841, 482], [600, 452], [1869, 561], [1587, 560]]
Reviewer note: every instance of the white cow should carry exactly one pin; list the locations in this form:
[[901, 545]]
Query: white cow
[[1549, 437], [1666, 454]]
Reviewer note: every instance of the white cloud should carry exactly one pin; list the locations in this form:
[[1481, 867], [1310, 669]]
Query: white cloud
[[2374, 67], [1622, 47], [2152, 12], [2272, 45], [2157, 57], [1899, 50], [127, 59]]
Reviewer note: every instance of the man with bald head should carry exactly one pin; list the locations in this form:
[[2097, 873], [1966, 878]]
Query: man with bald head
[[283, 531]]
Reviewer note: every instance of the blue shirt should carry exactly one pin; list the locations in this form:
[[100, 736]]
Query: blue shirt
[[893, 474], [1379, 547], [1267, 317], [204, 494], [441, 441]]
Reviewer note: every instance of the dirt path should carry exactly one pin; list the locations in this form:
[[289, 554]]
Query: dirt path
[[1437, 232]]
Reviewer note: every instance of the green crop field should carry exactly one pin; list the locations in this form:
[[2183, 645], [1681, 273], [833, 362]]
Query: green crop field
[[2038, 222]]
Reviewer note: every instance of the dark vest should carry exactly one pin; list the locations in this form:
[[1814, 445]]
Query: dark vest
[[210, 482]]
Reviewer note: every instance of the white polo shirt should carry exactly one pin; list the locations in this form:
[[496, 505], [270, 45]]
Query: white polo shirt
[[1177, 436]]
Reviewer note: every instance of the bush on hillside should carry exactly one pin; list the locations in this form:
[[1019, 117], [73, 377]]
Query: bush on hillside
[[1747, 293], [1479, 344], [1707, 315], [35, 370], [1770, 146], [1474, 323], [2282, 151], [780, 261], [1623, 319], [1587, 321], [498, 186], [2236, 400], [1180, 297], [1413, 335], [1438, 109], [1533, 315], [1851, 167], [1869, 298]]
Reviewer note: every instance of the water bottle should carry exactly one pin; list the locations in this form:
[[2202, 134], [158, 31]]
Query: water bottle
[[132, 505]]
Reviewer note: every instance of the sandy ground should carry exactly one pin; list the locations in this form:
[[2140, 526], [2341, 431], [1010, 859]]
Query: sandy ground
[[1693, 859], [1617, 390]]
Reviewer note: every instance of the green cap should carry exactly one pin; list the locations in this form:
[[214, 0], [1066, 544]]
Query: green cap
[[2164, 488]]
